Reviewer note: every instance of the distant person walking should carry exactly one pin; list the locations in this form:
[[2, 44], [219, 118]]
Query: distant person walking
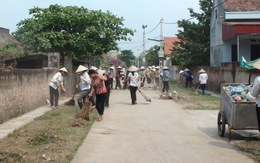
[[166, 78], [111, 75], [118, 76], [203, 77], [57, 82], [133, 77]]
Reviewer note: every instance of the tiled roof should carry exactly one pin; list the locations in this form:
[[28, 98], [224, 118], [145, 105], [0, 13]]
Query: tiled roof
[[168, 44], [242, 5]]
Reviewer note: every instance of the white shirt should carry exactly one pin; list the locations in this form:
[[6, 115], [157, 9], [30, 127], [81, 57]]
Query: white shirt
[[133, 79], [203, 78], [56, 78], [255, 90]]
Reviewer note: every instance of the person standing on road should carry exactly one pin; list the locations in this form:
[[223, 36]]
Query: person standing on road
[[84, 85], [57, 82], [133, 77], [255, 92], [157, 76], [98, 85], [111, 75], [166, 78], [108, 87], [118, 76], [142, 74], [203, 77]]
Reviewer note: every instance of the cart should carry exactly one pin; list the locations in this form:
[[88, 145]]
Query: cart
[[237, 115]]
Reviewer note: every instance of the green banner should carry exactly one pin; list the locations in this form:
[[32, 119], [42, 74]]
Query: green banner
[[247, 65]]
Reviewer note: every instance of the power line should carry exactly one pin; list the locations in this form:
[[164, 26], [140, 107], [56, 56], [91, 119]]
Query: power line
[[154, 28]]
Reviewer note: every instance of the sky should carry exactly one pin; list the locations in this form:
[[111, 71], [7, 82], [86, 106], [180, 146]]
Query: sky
[[135, 13]]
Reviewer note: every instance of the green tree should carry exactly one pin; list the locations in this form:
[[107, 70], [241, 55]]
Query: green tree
[[151, 58], [127, 56], [74, 32], [194, 46], [71, 30]]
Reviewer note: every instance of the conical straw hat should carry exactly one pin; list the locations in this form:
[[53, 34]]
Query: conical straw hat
[[132, 68], [64, 69], [100, 72], [165, 68], [93, 68], [81, 68], [201, 70]]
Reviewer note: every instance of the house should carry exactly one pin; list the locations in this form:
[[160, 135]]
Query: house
[[168, 48], [235, 31]]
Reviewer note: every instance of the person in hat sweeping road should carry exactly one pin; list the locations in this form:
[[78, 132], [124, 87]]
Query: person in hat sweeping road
[[57, 82], [133, 77], [203, 77], [166, 78], [98, 85], [84, 85]]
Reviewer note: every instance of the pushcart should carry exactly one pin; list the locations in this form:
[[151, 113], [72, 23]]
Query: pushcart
[[237, 115]]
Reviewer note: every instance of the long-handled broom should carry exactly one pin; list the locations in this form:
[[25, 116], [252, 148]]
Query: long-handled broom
[[146, 98], [71, 102], [84, 112]]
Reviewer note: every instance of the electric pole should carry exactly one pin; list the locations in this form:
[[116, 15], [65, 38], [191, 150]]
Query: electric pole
[[161, 52], [143, 53]]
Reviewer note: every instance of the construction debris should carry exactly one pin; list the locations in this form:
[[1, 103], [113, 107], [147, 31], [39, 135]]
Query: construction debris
[[170, 96]]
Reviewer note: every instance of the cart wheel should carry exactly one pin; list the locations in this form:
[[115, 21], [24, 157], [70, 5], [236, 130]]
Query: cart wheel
[[221, 124]]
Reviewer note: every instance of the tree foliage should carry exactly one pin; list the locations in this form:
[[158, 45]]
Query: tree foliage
[[127, 56], [71, 30], [151, 58], [194, 46]]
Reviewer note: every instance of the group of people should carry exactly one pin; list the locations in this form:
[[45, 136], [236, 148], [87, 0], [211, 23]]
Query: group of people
[[93, 82], [187, 75]]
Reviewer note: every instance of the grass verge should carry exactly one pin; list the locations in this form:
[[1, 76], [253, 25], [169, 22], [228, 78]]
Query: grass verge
[[193, 101], [53, 137]]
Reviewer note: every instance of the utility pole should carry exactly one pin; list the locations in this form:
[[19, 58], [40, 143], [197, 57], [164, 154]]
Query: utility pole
[[143, 53], [161, 52]]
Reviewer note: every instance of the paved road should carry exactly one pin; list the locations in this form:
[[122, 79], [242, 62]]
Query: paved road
[[156, 132]]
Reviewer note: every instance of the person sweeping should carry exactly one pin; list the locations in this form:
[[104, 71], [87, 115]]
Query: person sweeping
[[133, 77], [84, 85], [98, 85], [55, 84]]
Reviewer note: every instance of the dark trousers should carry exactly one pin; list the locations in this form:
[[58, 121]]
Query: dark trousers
[[258, 116], [82, 97], [107, 97], [100, 103], [165, 86], [188, 83], [54, 96], [118, 84], [203, 87], [133, 93], [111, 83]]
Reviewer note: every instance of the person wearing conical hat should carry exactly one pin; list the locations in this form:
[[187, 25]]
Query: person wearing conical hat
[[84, 86], [133, 78], [166, 78], [55, 84], [203, 77], [118, 76], [142, 76], [157, 76], [255, 92], [111, 75], [189, 78]]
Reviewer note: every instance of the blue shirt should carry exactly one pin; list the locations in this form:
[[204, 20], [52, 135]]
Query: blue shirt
[[166, 75], [84, 85]]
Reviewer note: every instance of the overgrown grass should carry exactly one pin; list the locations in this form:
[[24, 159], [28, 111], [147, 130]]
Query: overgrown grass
[[194, 101], [53, 137]]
